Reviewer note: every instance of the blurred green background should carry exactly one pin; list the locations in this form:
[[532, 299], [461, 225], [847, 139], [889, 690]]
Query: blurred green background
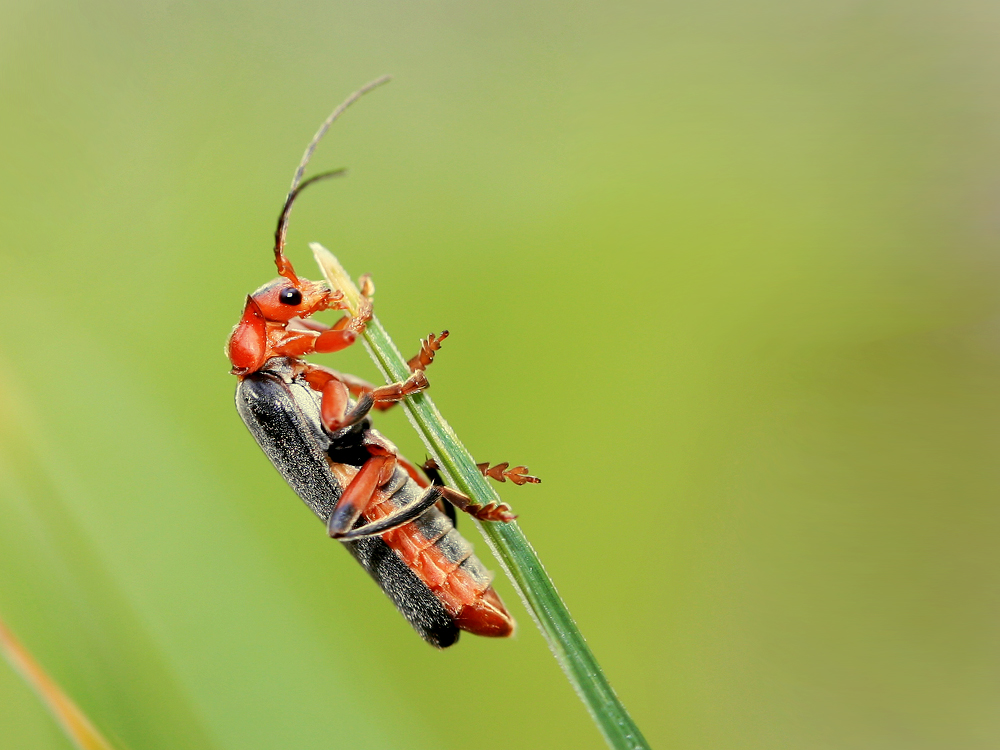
[[724, 274]]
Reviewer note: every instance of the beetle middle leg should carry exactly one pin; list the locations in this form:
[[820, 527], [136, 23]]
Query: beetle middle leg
[[417, 364], [386, 396]]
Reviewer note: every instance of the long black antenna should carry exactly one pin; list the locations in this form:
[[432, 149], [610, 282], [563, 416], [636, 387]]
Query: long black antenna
[[284, 266], [279, 233]]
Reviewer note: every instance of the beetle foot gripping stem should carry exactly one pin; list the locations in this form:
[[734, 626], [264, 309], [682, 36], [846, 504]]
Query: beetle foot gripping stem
[[489, 512], [492, 512], [395, 392], [366, 286]]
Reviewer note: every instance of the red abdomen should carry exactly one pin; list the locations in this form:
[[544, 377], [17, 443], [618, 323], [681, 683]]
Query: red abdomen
[[443, 560]]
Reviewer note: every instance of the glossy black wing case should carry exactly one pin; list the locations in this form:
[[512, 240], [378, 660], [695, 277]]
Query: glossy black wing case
[[282, 413]]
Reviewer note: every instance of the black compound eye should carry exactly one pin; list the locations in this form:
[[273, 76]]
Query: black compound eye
[[290, 296]]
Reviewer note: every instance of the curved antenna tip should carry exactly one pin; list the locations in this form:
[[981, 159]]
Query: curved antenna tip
[[297, 177], [284, 266]]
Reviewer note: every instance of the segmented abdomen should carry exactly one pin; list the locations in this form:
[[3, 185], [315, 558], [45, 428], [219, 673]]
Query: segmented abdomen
[[442, 559]]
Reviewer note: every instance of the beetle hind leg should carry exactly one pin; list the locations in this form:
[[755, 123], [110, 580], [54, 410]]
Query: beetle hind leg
[[394, 520], [489, 512], [377, 473], [518, 475]]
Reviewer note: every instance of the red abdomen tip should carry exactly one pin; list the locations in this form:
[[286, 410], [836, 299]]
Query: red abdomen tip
[[487, 616]]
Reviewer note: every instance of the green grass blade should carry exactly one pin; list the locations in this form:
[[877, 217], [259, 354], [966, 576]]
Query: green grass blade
[[508, 543]]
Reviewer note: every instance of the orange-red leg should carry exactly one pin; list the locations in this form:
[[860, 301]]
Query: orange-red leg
[[387, 395], [377, 472], [518, 475], [333, 340], [428, 348], [397, 518], [345, 332], [359, 386], [355, 385], [335, 408], [488, 512], [417, 364]]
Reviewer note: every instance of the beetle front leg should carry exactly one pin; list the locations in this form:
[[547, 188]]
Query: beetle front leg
[[345, 331]]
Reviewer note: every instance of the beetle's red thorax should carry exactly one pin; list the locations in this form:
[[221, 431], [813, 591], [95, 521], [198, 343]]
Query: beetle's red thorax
[[262, 331], [247, 346]]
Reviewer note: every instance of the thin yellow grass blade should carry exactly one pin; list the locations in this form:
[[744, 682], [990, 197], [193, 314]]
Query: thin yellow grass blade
[[73, 721]]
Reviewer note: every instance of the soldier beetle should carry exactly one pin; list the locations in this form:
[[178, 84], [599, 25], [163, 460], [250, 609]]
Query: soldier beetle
[[313, 423]]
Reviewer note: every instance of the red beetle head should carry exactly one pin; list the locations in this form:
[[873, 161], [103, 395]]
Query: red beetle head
[[281, 300]]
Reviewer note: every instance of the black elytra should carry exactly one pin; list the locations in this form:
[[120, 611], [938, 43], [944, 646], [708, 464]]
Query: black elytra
[[282, 413]]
